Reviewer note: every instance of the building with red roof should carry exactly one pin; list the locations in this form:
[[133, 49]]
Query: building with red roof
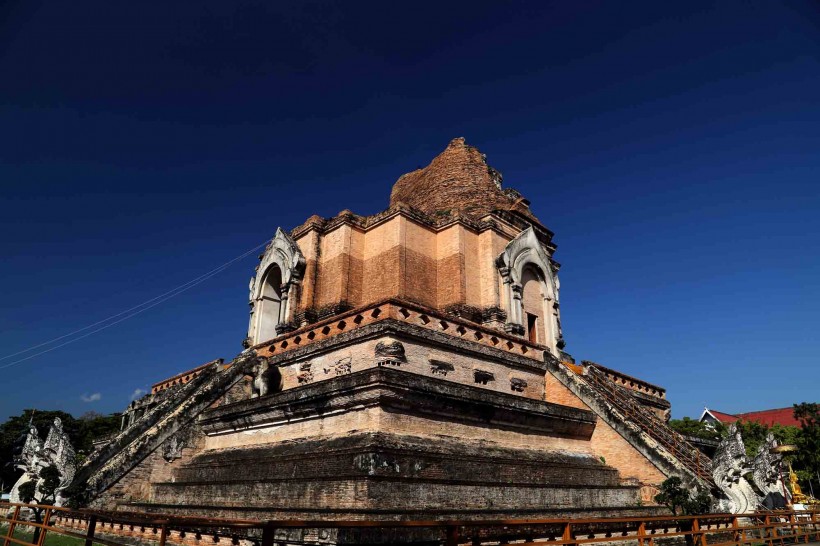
[[780, 416]]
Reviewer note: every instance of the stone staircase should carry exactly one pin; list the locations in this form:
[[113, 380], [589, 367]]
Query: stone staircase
[[176, 408], [689, 456]]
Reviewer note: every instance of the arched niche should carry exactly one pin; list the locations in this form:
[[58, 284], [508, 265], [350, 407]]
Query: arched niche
[[533, 305], [269, 304], [274, 287], [530, 291]]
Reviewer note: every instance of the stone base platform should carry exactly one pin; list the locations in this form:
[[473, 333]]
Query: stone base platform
[[383, 476]]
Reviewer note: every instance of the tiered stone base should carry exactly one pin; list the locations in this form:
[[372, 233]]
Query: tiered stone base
[[383, 476], [384, 444]]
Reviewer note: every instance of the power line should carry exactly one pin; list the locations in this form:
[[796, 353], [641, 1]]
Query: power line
[[131, 312]]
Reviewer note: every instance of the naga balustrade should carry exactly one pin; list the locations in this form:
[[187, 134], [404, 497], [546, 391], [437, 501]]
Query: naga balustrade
[[772, 528]]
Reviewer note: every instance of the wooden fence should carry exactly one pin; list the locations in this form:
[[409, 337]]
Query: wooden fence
[[774, 528]]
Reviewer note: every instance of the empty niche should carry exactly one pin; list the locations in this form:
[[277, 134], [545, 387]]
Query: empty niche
[[439, 367], [482, 377], [517, 384]]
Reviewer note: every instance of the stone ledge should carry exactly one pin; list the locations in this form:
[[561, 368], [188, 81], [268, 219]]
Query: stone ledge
[[402, 392], [405, 330], [396, 457], [450, 330], [264, 512]]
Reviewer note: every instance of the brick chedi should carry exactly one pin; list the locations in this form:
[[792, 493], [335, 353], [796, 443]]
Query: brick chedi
[[405, 365]]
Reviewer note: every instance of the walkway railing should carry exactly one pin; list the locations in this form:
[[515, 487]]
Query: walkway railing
[[120, 528]]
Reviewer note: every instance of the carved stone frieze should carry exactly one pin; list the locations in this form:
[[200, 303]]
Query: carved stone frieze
[[342, 366], [172, 449], [494, 317], [305, 374]]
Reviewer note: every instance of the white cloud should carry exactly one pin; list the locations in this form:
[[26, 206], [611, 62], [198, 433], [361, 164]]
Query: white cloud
[[138, 393], [91, 397]]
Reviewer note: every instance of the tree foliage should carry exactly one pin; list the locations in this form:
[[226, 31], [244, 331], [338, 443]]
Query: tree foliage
[[683, 501], [808, 442], [693, 427], [806, 461], [47, 490], [82, 432], [50, 476]]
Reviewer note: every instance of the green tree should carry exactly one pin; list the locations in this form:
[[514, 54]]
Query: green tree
[[47, 490], [683, 501], [753, 434], [808, 443], [693, 427]]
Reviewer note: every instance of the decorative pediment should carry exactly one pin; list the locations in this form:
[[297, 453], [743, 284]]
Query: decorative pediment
[[526, 252], [524, 249], [283, 252]]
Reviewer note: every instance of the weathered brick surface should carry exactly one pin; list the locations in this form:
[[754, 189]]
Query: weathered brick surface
[[606, 442], [400, 257], [457, 181]]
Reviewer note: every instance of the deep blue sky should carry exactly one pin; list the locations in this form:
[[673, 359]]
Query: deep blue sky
[[672, 147]]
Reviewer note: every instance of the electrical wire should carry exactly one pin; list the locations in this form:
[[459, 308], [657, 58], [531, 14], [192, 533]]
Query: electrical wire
[[130, 312]]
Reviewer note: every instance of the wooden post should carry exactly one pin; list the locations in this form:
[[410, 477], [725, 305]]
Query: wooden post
[[701, 536], [267, 534], [163, 534], [452, 536], [92, 527], [567, 536], [735, 532], [767, 522], [641, 533], [46, 518]]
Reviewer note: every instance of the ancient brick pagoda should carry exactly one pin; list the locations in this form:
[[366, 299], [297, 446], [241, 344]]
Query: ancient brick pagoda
[[405, 365]]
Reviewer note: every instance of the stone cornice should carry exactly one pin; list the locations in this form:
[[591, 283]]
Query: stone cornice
[[499, 221], [457, 332], [402, 392]]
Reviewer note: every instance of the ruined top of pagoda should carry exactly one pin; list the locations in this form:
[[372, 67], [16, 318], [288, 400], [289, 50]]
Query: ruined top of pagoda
[[457, 182]]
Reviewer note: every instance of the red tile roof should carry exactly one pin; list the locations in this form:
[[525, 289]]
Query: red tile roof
[[780, 416], [723, 417]]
